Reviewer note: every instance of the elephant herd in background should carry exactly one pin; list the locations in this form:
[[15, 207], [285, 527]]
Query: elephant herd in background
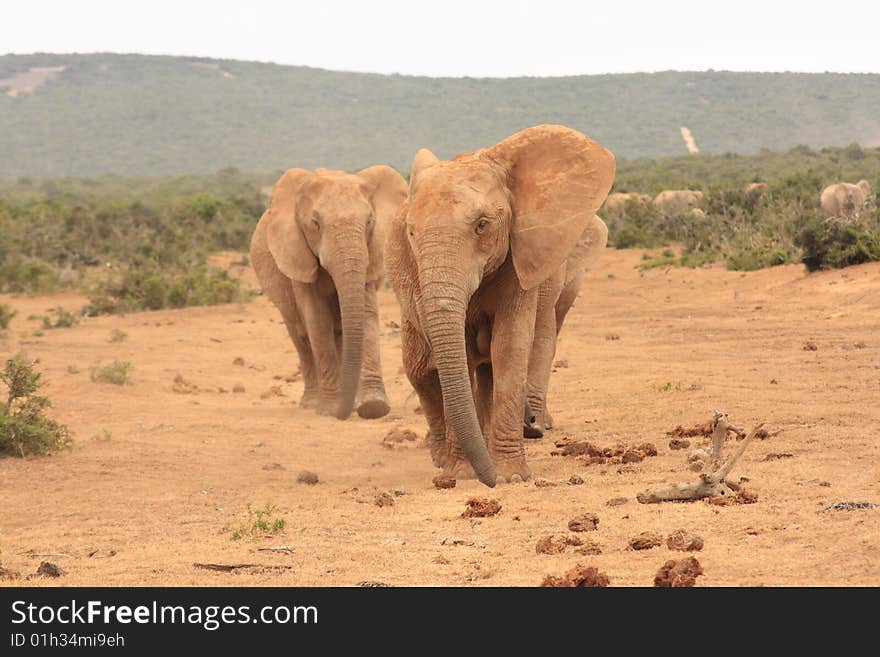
[[485, 252], [838, 200]]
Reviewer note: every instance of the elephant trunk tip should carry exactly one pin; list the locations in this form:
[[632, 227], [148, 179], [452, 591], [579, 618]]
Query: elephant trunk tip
[[488, 476]]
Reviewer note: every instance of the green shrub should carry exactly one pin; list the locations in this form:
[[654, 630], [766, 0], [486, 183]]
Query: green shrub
[[6, 315], [834, 243], [155, 290], [19, 276], [63, 319], [260, 523], [24, 427], [116, 373]]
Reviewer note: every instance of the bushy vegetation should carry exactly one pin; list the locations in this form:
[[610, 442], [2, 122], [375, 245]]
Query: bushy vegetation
[[116, 373], [136, 114], [132, 243], [260, 523], [748, 231], [24, 427], [7, 313]]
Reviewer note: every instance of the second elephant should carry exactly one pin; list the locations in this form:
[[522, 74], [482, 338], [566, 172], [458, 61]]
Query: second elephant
[[317, 252], [583, 257]]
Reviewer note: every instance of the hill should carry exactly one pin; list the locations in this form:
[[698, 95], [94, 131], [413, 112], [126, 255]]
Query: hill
[[63, 115]]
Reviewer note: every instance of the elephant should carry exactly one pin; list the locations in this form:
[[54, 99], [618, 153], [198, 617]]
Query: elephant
[[317, 253], [845, 199], [673, 202], [756, 190], [474, 254], [616, 203], [582, 258]]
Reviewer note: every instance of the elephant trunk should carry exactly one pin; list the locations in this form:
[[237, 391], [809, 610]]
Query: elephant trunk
[[350, 281], [444, 318]]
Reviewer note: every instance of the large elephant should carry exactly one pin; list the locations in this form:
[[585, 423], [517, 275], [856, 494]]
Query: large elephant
[[582, 258], [845, 199], [468, 256], [677, 201], [616, 203], [317, 252]]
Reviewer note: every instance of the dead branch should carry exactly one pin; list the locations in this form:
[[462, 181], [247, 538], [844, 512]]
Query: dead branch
[[281, 548], [713, 477], [228, 567]]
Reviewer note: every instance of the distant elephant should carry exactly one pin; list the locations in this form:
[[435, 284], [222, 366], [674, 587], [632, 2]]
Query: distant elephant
[[673, 202], [476, 257], [845, 199], [616, 203], [317, 252], [582, 258], [755, 190]]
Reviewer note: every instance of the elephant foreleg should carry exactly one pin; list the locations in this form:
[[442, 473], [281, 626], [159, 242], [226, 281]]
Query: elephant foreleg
[[297, 332], [373, 402], [426, 383], [320, 324], [512, 337]]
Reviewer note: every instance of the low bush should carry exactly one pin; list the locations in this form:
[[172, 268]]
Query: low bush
[[24, 427]]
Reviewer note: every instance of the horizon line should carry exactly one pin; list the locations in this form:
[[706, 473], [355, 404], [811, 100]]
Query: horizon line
[[432, 77]]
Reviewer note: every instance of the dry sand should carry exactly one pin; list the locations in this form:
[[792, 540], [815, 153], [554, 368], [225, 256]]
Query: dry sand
[[180, 468]]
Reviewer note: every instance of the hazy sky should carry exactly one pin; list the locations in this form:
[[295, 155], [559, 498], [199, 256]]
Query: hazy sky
[[464, 37]]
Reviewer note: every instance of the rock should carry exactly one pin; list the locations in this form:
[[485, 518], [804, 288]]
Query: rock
[[684, 541], [678, 573], [586, 522], [645, 541]]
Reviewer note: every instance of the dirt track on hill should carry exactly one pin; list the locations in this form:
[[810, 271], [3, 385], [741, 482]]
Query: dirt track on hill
[[180, 466]]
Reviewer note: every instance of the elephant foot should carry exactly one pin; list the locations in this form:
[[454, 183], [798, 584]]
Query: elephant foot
[[309, 399], [373, 406], [437, 445], [532, 431], [459, 468], [327, 405], [512, 471]]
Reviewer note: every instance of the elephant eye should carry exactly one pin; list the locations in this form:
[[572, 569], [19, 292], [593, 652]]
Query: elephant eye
[[481, 225], [316, 224]]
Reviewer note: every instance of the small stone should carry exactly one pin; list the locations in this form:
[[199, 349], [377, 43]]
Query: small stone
[[575, 480], [441, 481], [383, 499], [617, 501], [684, 541], [645, 541], [238, 387], [49, 569], [586, 522]]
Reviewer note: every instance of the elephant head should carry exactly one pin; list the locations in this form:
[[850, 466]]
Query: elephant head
[[334, 221], [526, 199]]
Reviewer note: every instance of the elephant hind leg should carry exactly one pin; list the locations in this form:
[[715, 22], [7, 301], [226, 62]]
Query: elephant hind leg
[[278, 288]]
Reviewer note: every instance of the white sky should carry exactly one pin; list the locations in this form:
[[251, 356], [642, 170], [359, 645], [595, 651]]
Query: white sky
[[464, 37]]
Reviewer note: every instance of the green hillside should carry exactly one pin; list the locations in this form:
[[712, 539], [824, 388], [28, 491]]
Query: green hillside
[[147, 115]]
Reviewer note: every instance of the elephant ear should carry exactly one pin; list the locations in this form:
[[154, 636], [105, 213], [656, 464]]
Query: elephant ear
[[387, 190], [558, 178], [424, 159], [285, 238]]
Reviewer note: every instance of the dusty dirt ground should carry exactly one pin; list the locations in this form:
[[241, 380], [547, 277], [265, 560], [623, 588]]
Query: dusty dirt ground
[[178, 469]]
